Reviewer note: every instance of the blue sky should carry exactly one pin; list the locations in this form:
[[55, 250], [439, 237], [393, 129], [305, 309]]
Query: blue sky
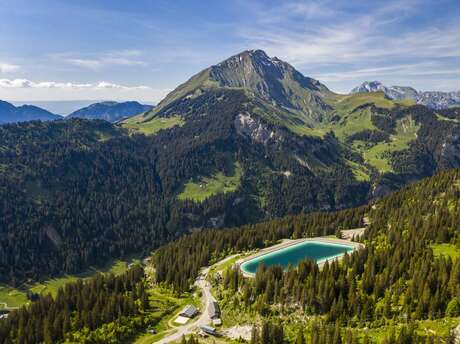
[[141, 49]]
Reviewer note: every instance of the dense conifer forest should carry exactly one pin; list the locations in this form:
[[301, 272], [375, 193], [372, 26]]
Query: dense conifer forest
[[396, 276], [77, 193], [104, 309], [179, 262]]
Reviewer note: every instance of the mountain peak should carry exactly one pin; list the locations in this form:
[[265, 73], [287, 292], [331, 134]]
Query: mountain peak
[[435, 100], [110, 111], [247, 57], [269, 79], [12, 114], [370, 86]]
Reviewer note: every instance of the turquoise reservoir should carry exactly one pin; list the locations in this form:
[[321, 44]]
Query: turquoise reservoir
[[315, 250]]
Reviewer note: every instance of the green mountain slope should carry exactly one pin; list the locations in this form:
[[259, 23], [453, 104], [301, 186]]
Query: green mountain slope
[[372, 131], [268, 79], [399, 288], [407, 273], [236, 144]]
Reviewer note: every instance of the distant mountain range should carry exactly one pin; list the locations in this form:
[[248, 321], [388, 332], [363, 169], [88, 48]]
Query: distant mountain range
[[431, 99], [10, 113], [109, 111]]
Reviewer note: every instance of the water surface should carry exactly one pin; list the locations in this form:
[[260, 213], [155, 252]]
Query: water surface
[[315, 250]]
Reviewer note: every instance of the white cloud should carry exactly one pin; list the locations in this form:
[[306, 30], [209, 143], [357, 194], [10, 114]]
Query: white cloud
[[329, 42], [354, 38], [24, 89], [413, 69], [288, 10], [24, 83], [95, 61], [87, 63], [8, 68]]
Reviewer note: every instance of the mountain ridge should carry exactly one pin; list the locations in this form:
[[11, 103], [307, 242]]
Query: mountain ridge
[[433, 99], [268, 80], [110, 111], [10, 113]]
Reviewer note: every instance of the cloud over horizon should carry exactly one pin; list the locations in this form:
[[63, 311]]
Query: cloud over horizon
[[24, 89], [24, 83], [6, 68]]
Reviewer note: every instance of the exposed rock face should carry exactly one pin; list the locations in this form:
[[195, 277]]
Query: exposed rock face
[[253, 128], [54, 236], [450, 153], [369, 86], [271, 80], [431, 99], [439, 100]]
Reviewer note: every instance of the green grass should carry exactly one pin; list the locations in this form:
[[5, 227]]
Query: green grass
[[351, 121], [360, 172], [304, 130], [446, 250], [406, 132], [18, 297], [350, 102], [12, 297], [52, 286], [375, 157], [206, 187], [165, 306], [152, 126], [342, 106], [354, 123], [443, 118], [439, 327]]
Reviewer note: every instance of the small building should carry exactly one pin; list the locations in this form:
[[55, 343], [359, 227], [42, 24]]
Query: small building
[[214, 310], [217, 322], [189, 311], [181, 320], [201, 333], [209, 330]]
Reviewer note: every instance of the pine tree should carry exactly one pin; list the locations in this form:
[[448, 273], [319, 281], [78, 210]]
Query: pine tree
[[300, 339]]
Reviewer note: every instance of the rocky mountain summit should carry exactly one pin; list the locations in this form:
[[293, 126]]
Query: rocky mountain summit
[[431, 99]]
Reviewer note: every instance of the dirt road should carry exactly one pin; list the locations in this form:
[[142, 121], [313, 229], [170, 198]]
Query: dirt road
[[206, 301]]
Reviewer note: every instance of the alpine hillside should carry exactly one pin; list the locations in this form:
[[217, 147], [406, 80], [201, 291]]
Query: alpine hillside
[[110, 111], [248, 139], [10, 113]]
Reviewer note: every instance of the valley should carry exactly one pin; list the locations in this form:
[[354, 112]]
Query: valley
[[230, 172], [12, 298], [246, 154]]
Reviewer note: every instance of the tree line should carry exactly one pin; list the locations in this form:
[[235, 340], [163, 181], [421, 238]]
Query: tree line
[[80, 308], [76, 193], [178, 263]]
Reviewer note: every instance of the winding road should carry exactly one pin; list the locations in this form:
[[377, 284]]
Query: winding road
[[206, 300]]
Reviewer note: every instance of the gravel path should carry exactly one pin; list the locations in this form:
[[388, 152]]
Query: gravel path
[[207, 299]]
